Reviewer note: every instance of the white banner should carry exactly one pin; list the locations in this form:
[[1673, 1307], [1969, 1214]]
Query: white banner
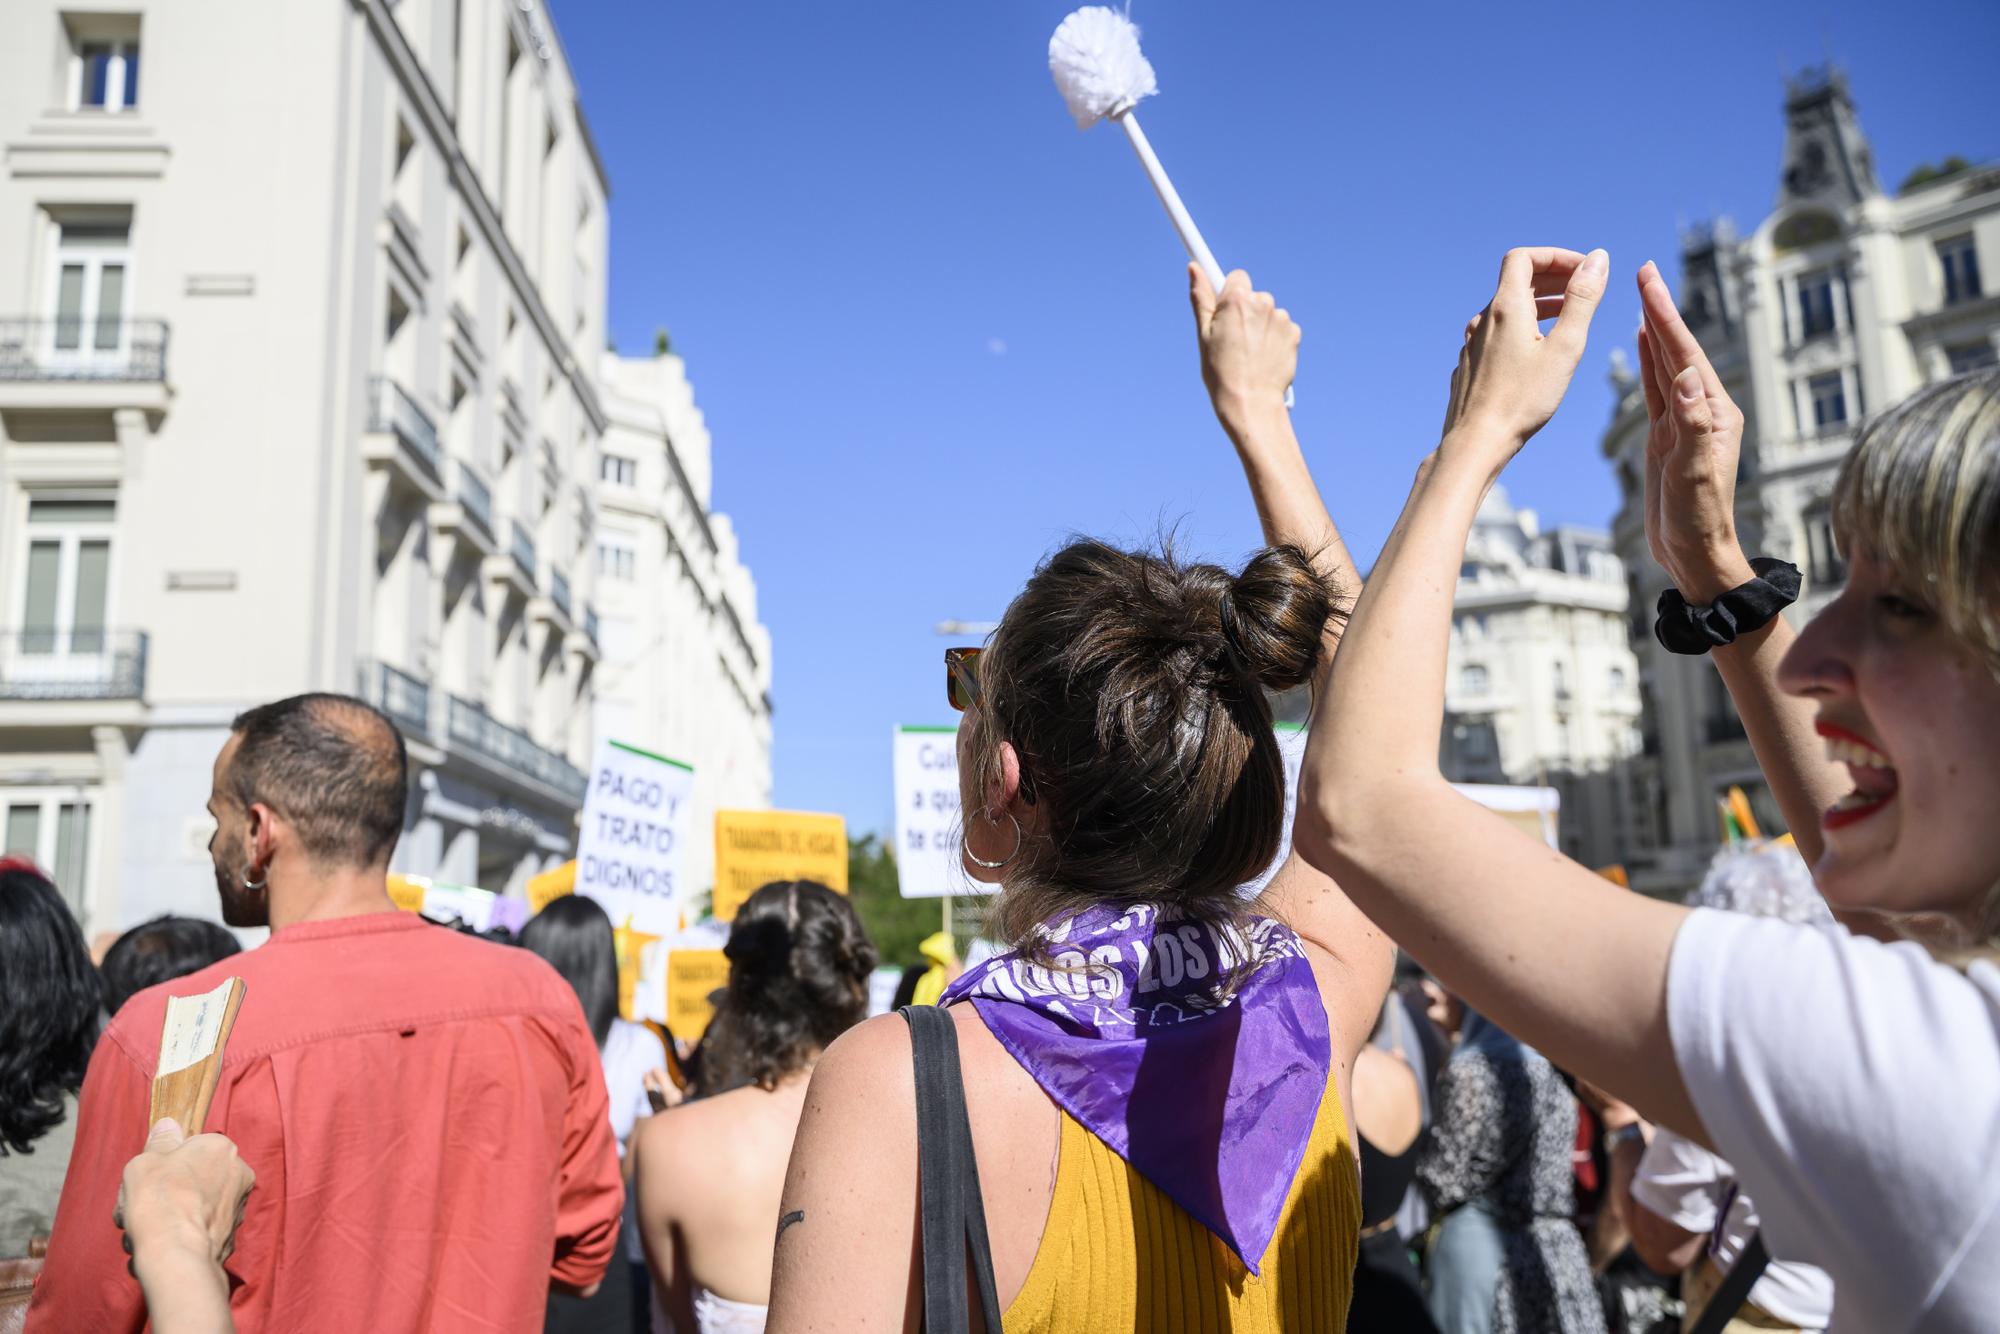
[[927, 815], [635, 831]]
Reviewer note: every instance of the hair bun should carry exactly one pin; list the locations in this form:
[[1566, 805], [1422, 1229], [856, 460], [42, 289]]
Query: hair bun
[[1274, 617], [760, 949]]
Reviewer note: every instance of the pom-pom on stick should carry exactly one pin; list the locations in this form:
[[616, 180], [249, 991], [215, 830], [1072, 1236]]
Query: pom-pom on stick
[[1101, 73]]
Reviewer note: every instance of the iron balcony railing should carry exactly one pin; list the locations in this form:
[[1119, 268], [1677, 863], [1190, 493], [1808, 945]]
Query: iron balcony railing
[[405, 698], [474, 496], [70, 348], [391, 410], [524, 551], [590, 624], [469, 725], [86, 662], [559, 591]]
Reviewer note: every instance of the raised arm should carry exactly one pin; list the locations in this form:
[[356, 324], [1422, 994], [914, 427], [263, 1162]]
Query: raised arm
[[1542, 947], [1692, 448], [1249, 352]]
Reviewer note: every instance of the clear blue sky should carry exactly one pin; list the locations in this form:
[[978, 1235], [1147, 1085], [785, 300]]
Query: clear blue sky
[[936, 329]]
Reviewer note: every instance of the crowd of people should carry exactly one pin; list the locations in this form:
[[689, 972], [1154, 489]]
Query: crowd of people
[[1162, 1104]]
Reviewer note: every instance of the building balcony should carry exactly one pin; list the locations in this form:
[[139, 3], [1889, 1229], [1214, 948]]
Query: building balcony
[[559, 592], [402, 436], [77, 664], [405, 698], [583, 640], [65, 364], [556, 607], [590, 624], [67, 348], [517, 568], [469, 728], [467, 514]]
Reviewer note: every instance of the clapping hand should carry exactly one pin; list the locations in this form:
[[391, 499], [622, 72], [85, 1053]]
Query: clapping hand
[[1692, 447], [1511, 377]]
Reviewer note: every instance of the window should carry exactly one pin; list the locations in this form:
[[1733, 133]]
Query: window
[[1829, 400], [53, 831], [616, 562], [1561, 678], [1816, 303], [1477, 744], [1959, 258], [1473, 679], [104, 75], [93, 259], [66, 577], [1824, 565], [1971, 357], [1618, 680], [618, 470]]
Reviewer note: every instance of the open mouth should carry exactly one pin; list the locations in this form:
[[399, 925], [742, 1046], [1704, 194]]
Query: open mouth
[[1874, 777]]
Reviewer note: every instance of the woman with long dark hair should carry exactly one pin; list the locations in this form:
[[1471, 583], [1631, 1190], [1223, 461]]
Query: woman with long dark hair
[[710, 1172], [1156, 1071], [50, 1000], [574, 935]]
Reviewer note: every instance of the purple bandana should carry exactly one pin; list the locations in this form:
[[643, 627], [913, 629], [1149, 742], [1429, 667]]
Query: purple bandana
[[1210, 1097]]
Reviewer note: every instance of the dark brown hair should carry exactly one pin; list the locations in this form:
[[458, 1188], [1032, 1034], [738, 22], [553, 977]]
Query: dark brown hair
[[333, 766], [799, 962], [1132, 685]]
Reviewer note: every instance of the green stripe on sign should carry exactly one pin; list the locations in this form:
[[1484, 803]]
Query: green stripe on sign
[[1290, 727], [924, 727], [649, 755]]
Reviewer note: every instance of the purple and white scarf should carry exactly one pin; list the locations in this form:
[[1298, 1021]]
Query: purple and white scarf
[[1209, 1094]]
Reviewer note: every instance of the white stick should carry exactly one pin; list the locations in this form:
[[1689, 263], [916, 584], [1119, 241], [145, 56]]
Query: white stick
[[1197, 248]]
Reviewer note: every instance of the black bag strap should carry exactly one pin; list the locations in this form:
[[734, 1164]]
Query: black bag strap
[[954, 1214], [1734, 1290]]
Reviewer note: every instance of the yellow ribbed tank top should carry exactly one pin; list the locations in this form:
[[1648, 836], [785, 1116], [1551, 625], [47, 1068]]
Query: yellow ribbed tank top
[[1117, 1254]]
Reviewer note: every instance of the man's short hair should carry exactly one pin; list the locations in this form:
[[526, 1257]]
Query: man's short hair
[[334, 767]]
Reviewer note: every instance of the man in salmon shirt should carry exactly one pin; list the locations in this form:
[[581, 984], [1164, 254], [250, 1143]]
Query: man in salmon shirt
[[425, 1112]]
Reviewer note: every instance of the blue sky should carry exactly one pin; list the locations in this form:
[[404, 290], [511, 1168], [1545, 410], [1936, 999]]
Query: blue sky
[[936, 329]]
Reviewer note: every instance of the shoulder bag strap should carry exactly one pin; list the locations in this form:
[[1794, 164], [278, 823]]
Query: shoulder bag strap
[[1734, 1290], [954, 1214]]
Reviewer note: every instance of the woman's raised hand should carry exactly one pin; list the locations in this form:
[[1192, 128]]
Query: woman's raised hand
[[1691, 452], [1249, 349], [1511, 377]]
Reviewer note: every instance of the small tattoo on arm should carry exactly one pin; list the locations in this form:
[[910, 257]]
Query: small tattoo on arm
[[795, 1216]]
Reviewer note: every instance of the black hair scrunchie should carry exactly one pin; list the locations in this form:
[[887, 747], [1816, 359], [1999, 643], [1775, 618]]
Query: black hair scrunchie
[[1694, 630]]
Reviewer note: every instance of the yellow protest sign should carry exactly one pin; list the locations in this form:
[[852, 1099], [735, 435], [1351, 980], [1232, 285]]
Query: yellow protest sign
[[753, 848], [408, 892], [551, 885], [634, 993], [692, 977]]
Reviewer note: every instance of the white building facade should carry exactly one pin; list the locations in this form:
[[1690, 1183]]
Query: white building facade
[[1542, 688], [298, 390], [1843, 302], [687, 664]]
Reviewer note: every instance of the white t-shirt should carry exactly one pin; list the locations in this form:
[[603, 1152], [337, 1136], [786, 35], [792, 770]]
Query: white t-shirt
[[630, 1050], [1690, 1187], [1856, 1087]]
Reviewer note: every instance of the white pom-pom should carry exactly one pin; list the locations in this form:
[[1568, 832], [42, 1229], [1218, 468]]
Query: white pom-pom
[[1097, 65]]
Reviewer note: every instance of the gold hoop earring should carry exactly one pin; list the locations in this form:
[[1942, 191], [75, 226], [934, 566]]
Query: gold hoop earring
[[1014, 852]]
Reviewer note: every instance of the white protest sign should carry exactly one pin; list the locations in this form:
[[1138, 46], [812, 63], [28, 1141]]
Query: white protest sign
[[635, 830], [927, 816], [1292, 745]]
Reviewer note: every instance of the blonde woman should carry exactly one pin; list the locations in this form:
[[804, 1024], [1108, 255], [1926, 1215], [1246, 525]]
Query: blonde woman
[[1854, 1083]]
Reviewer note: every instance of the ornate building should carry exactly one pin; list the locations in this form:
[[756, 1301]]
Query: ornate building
[[1541, 686], [1842, 302]]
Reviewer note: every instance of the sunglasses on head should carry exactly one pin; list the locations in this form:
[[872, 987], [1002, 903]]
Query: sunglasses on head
[[961, 677]]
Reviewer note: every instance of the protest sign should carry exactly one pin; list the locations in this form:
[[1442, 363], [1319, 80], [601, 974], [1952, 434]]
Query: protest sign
[[692, 977], [927, 815], [631, 849], [754, 848], [551, 885], [1532, 810]]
